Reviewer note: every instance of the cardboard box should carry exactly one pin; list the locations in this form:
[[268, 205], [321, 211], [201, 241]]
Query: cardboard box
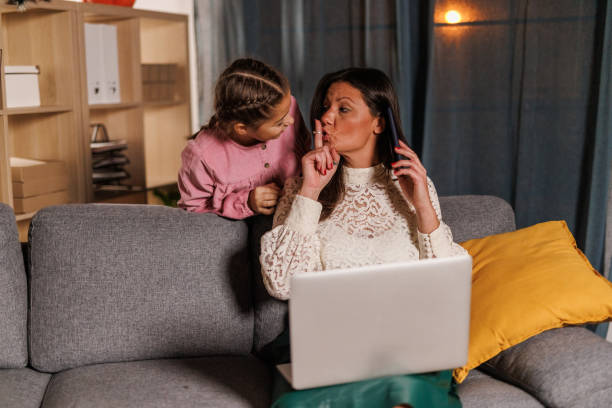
[[21, 83], [29, 170], [40, 186], [35, 203]]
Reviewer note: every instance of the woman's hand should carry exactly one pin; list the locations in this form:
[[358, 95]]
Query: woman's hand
[[413, 180], [318, 165]]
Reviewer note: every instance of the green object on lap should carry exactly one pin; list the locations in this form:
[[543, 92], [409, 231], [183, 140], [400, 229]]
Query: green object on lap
[[415, 390]]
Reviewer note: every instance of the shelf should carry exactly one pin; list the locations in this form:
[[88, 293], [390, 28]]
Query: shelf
[[24, 217], [111, 106], [163, 103], [51, 36], [28, 110]]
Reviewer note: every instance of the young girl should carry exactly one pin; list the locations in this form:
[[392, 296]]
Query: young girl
[[236, 164]]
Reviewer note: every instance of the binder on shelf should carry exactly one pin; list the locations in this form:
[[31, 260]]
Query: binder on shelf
[[93, 63], [111, 64], [102, 64]]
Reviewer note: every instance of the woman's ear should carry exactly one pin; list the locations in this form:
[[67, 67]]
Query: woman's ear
[[379, 125]]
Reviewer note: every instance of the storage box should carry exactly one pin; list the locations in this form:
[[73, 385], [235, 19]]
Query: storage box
[[21, 83], [29, 170], [37, 187], [35, 203]]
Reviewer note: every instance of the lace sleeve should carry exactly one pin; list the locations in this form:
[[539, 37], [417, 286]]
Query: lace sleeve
[[291, 246], [438, 243]]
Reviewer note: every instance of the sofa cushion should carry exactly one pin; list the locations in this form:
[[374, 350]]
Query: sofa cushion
[[13, 294], [22, 387], [129, 282], [566, 367], [204, 382], [481, 391], [469, 216], [525, 282], [476, 216]]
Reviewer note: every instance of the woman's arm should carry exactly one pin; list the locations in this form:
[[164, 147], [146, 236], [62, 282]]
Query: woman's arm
[[292, 245], [438, 243], [435, 237]]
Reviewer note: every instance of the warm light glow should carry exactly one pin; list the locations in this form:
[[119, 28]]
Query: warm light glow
[[452, 17]]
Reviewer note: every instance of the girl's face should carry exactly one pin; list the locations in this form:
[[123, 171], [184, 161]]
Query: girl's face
[[278, 122], [347, 122]]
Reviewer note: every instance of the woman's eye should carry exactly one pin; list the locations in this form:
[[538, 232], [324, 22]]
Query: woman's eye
[[344, 109]]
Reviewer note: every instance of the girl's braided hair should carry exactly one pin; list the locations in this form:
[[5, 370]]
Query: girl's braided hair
[[246, 92]]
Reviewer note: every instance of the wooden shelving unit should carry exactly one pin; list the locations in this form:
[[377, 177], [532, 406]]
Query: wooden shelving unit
[[51, 35]]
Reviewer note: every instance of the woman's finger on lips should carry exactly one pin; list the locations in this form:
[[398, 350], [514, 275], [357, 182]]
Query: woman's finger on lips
[[318, 134]]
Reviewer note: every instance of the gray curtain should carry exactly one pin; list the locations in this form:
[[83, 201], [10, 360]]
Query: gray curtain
[[518, 106], [513, 101], [308, 38]]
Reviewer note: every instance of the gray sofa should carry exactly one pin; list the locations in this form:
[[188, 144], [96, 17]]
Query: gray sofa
[[148, 306]]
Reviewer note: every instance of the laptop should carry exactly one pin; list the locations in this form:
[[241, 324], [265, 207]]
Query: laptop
[[359, 323]]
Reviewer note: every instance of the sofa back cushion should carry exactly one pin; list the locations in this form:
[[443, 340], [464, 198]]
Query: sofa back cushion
[[468, 216], [130, 282], [13, 294]]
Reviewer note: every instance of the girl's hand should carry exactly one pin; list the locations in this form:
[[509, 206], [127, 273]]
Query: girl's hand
[[318, 165], [263, 199], [413, 180]]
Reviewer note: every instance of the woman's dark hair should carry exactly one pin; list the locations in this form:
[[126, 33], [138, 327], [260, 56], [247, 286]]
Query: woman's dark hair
[[378, 94], [246, 92]]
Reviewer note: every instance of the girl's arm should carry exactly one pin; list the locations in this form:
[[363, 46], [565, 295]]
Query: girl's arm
[[200, 192], [292, 245]]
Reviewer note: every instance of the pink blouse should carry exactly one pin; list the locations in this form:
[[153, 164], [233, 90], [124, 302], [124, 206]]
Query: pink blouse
[[217, 173]]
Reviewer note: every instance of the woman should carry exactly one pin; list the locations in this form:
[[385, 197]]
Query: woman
[[354, 205]]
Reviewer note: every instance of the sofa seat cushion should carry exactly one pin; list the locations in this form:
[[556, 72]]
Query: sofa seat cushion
[[22, 387], [566, 367], [232, 381], [479, 390]]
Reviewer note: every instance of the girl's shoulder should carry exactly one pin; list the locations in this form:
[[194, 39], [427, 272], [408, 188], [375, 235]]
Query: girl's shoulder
[[207, 143]]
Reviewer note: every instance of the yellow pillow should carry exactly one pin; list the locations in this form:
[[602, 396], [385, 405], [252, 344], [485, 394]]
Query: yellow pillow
[[525, 282]]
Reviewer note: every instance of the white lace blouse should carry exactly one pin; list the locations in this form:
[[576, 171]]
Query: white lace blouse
[[373, 224]]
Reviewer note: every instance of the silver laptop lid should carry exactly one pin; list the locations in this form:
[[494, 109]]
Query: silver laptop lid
[[354, 324]]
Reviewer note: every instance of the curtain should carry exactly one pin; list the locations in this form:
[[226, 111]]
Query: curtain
[[518, 106], [512, 101], [306, 39]]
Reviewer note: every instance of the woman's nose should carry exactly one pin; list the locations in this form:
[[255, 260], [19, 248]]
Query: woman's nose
[[327, 117]]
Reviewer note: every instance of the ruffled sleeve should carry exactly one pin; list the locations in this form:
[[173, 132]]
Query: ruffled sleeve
[[201, 191], [292, 246], [438, 243]]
